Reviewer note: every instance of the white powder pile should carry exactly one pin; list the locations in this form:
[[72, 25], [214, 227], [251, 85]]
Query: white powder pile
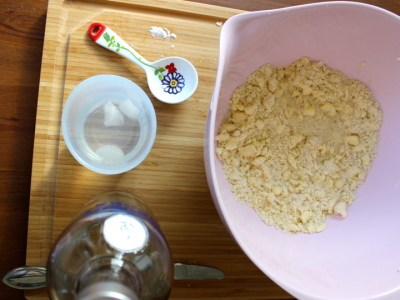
[[161, 32], [297, 143]]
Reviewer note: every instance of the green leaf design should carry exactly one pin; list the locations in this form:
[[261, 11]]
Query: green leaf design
[[112, 43], [106, 37]]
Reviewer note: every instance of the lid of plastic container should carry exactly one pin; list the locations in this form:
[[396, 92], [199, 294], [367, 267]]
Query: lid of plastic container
[[125, 233], [106, 290]]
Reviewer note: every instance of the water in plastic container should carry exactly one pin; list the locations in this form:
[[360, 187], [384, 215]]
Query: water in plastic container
[[109, 124], [114, 139]]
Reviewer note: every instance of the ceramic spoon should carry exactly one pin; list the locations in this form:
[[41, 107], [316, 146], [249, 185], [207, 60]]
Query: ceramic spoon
[[171, 80]]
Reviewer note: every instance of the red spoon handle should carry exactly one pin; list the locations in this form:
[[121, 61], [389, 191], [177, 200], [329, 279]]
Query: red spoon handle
[[95, 30]]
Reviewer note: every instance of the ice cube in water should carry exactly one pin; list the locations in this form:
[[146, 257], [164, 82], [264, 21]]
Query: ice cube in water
[[110, 154], [129, 109], [112, 115]]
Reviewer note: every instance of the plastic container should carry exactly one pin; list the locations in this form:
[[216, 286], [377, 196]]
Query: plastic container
[[109, 124], [114, 249]]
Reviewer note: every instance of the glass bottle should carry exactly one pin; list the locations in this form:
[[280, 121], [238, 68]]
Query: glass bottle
[[113, 249]]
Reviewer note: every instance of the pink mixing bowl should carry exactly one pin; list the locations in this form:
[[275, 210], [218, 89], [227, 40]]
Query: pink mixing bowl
[[357, 257]]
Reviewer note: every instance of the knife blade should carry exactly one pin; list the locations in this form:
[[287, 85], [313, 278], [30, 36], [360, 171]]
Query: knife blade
[[195, 272], [28, 278]]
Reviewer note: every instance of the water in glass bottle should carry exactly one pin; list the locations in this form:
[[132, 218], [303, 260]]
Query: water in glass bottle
[[114, 249]]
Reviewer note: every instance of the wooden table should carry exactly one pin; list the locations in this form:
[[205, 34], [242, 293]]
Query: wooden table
[[22, 31]]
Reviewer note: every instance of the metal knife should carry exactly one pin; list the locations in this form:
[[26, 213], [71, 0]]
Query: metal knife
[[29, 278]]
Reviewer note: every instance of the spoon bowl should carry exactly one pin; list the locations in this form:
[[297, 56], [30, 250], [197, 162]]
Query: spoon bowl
[[171, 80]]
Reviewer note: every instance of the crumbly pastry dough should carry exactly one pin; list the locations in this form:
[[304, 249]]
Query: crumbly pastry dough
[[297, 142]]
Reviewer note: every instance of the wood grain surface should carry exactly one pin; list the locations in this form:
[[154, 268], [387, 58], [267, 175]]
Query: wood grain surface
[[22, 29]]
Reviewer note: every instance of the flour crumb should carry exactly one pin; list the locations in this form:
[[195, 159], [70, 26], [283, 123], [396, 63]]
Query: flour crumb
[[362, 65], [297, 142], [219, 24]]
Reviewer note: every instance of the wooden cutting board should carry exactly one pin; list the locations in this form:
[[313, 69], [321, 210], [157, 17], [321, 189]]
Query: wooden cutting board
[[172, 179]]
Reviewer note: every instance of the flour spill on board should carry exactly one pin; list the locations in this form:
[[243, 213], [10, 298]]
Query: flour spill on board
[[161, 32]]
